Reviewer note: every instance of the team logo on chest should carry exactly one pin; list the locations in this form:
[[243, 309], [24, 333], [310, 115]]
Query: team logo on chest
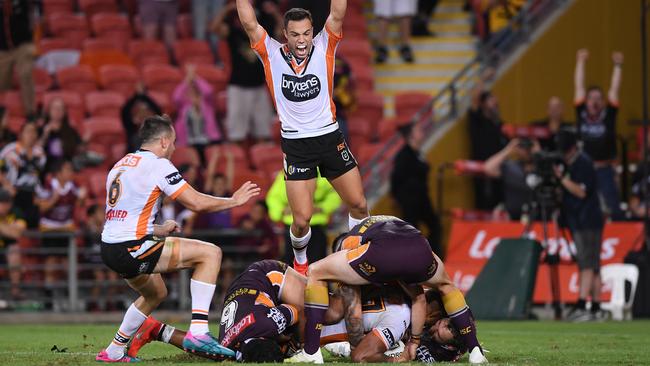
[[300, 89]]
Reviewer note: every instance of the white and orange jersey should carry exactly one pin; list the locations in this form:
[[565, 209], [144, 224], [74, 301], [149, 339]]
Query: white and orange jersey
[[135, 187], [302, 92], [389, 325]]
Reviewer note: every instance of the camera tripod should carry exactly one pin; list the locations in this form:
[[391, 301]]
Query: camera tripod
[[546, 209]]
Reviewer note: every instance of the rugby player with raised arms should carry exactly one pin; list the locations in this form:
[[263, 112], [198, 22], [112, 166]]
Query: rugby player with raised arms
[[299, 75], [139, 250]]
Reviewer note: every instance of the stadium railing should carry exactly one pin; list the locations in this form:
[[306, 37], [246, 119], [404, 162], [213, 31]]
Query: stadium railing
[[450, 102], [72, 291]]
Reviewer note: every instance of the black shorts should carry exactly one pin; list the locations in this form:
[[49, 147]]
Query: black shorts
[[132, 258], [329, 153]]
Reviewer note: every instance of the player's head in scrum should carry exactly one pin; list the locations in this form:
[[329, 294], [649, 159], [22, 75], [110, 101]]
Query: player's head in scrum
[[299, 31], [158, 136]]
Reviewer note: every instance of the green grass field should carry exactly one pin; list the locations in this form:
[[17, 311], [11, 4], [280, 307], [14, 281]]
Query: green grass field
[[509, 343]]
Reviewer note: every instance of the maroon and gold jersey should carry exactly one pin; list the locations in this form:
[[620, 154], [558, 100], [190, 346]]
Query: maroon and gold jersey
[[252, 306]]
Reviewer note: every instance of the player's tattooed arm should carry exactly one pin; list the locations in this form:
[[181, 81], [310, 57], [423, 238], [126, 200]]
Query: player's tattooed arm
[[353, 315]]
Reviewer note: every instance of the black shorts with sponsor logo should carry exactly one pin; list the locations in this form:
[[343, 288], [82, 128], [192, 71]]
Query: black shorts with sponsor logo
[[329, 153], [132, 258]]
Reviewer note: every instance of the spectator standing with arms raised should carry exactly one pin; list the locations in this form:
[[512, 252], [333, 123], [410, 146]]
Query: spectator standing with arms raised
[[596, 119]]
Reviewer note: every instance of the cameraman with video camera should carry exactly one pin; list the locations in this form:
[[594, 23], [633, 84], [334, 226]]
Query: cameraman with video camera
[[583, 216]]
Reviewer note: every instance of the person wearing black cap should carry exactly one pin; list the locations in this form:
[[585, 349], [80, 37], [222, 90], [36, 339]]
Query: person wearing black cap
[[582, 214], [11, 228]]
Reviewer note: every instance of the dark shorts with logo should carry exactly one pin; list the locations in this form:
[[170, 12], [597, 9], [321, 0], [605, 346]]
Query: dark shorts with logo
[[329, 153], [118, 256], [243, 317], [406, 259]]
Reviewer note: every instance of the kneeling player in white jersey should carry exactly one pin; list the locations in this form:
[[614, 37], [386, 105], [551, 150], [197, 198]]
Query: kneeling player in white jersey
[[139, 250], [384, 319], [300, 75], [376, 334]]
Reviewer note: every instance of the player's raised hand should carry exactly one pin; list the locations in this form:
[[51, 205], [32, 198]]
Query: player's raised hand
[[245, 192], [617, 57], [582, 54]]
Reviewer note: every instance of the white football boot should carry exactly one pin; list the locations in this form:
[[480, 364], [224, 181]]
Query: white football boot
[[304, 357], [338, 349], [477, 357]]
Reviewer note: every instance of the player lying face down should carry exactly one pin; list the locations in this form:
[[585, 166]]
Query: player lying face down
[[260, 306], [385, 249], [385, 319]]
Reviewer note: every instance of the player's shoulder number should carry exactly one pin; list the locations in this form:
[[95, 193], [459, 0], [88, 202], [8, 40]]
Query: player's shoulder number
[[130, 160]]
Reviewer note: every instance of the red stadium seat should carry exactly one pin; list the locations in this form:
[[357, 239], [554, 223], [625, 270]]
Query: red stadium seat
[[366, 152], [276, 131], [409, 103], [221, 103], [72, 27], [369, 106], [14, 124], [148, 52], [362, 77], [92, 7], [101, 44], [216, 76], [164, 78], [72, 100], [78, 78], [104, 130], [192, 51], [267, 157], [119, 78], [97, 183], [388, 127], [57, 6], [12, 101], [184, 26], [186, 155], [46, 45], [222, 151], [97, 59], [109, 25], [243, 175], [163, 100], [355, 50], [104, 103], [359, 130], [42, 80]]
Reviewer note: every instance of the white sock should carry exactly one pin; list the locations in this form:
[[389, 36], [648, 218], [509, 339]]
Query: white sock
[[133, 319], [300, 246], [352, 222], [201, 293]]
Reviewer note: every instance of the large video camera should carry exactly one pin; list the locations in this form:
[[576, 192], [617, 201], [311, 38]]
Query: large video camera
[[543, 180]]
